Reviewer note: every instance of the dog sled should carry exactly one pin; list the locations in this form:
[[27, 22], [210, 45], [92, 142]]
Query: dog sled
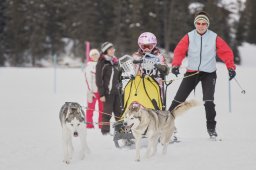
[[141, 82]]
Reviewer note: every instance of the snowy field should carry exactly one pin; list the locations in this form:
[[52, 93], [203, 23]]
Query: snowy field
[[31, 133]]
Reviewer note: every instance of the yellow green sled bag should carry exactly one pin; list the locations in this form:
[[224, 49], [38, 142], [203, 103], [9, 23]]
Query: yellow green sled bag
[[143, 90]]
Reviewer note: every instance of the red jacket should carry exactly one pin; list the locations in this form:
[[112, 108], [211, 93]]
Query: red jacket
[[223, 51]]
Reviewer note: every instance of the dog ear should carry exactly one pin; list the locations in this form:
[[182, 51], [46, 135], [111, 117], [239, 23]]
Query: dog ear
[[135, 107], [130, 107]]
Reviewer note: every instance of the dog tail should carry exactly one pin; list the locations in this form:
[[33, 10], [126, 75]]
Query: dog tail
[[185, 106]]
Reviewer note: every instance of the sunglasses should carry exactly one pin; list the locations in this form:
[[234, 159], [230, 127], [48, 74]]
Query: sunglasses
[[147, 46], [203, 24]]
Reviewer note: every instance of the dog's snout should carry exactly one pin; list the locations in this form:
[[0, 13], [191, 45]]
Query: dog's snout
[[75, 134], [125, 123]]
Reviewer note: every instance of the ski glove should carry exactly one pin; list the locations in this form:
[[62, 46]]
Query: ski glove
[[163, 69], [175, 71], [90, 96], [232, 73]]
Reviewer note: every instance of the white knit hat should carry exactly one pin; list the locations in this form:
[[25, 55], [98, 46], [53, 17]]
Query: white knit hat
[[105, 46], [94, 52], [202, 16]]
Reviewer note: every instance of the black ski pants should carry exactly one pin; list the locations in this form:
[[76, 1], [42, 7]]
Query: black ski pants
[[112, 104], [188, 84]]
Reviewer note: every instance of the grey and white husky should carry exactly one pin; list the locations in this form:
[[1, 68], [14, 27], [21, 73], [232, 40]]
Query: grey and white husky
[[154, 125], [72, 122]]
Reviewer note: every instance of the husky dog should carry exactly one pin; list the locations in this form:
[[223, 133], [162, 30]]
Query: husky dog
[[154, 125], [72, 122]]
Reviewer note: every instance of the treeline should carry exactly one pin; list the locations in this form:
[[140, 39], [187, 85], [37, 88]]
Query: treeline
[[31, 30]]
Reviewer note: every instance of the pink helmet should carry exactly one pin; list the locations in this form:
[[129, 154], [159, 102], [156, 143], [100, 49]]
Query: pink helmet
[[147, 40]]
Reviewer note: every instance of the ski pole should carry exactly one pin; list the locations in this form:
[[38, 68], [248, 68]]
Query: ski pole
[[243, 91]]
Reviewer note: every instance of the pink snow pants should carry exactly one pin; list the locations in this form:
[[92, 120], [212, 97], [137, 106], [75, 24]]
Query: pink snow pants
[[91, 109]]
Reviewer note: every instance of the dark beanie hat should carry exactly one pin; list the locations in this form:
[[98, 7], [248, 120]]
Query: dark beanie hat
[[105, 46]]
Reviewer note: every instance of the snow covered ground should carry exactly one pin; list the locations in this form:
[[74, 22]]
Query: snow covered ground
[[248, 51], [31, 134]]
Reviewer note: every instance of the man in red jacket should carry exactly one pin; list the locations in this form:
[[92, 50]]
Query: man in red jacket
[[201, 45]]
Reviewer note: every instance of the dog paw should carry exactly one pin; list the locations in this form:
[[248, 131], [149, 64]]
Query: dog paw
[[137, 159], [66, 161]]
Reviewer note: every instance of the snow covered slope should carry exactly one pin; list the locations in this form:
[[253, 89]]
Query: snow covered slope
[[31, 134]]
